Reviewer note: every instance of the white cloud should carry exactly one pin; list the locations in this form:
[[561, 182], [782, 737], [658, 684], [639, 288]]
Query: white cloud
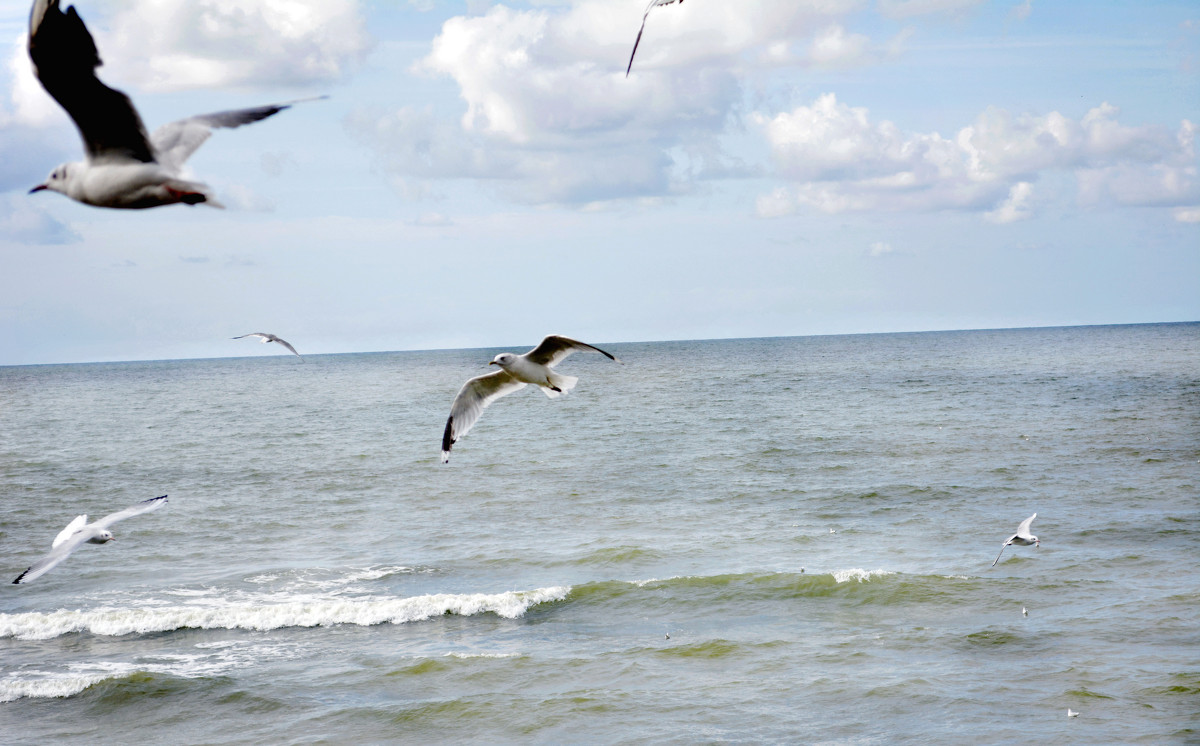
[[1016, 207], [880, 248], [1188, 214], [550, 116], [838, 159], [833, 47], [165, 45], [1022, 11]]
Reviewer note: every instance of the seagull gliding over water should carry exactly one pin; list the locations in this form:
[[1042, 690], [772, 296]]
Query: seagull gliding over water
[[515, 371], [1021, 538], [124, 167], [265, 338], [79, 532]]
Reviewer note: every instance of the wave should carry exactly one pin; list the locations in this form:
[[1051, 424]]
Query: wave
[[319, 612]]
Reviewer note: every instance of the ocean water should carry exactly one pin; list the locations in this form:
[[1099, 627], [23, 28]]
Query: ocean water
[[760, 540]]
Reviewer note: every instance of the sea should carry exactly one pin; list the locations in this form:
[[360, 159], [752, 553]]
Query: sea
[[785, 540]]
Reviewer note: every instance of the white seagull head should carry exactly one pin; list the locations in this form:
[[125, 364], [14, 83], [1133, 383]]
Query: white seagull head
[[504, 359]]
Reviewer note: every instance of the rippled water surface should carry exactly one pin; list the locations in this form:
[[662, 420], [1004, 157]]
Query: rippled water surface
[[781, 540]]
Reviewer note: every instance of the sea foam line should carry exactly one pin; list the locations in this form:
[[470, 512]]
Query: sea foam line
[[845, 576], [260, 617]]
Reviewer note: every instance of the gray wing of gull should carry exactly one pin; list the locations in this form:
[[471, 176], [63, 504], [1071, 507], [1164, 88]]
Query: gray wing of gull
[[1023, 529], [1005, 544], [474, 397], [286, 344], [56, 555], [262, 335], [551, 350], [145, 506], [638, 40], [175, 142], [65, 59]]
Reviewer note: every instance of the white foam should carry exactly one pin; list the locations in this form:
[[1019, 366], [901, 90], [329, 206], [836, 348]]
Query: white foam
[[45, 685], [845, 576], [318, 612], [482, 655]]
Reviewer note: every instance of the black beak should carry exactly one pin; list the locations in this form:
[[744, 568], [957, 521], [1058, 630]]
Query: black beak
[[38, 188]]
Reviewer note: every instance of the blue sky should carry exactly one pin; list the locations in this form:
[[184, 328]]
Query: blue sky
[[483, 174]]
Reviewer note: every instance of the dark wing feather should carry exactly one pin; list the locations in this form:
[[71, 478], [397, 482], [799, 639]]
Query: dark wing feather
[[551, 350], [65, 59]]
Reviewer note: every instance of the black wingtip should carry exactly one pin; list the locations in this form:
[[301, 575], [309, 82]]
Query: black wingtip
[[18, 580], [160, 497], [447, 438]]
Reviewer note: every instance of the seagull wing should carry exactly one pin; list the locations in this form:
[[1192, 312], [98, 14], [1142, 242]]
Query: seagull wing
[[65, 59], [551, 350], [175, 142], [474, 397], [1002, 549], [79, 522], [643, 28], [265, 337], [58, 554], [144, 506], [284, 342], [1023, 529]]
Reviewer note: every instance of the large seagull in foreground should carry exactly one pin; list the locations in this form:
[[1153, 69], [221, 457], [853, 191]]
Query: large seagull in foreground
[[515, 371], [79, 532], [650, 7], [124, 167]]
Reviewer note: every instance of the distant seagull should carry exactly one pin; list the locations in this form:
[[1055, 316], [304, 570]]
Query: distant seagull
[[124, 168], [515, 371], [1021, 538], [265, 338], [1023, 611], [651, 6], [1071, 713], [79, 532]]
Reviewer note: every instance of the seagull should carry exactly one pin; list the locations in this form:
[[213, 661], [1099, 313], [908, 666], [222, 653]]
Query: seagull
[[265, 338], [1071, 713], [1021, 538], [1023, 611], [79, 532], [651, 6], [124, 167], [515, 371]]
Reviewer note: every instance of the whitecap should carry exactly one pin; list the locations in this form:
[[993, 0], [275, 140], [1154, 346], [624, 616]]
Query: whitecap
[[318, 612], [844, 576]]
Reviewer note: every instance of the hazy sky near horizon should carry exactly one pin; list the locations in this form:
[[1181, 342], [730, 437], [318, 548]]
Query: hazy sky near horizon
[[484, 174]]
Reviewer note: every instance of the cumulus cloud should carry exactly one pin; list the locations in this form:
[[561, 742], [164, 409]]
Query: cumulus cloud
[[163, 45], [550, 116], [838, 159]]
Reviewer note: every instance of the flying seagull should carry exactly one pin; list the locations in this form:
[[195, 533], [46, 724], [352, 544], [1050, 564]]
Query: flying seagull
[[515, 371], [124, 167], [1021, 538], [264, 338], [79, 532], [651, 6]]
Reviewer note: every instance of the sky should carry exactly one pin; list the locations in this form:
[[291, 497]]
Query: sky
[[484, 173]]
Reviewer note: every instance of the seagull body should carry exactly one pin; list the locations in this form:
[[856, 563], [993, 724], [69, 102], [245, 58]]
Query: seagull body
[[515, 372], [79, 532], [124, 167], [1071, 713], [1021, 538], [651, 6], [265, 338]]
